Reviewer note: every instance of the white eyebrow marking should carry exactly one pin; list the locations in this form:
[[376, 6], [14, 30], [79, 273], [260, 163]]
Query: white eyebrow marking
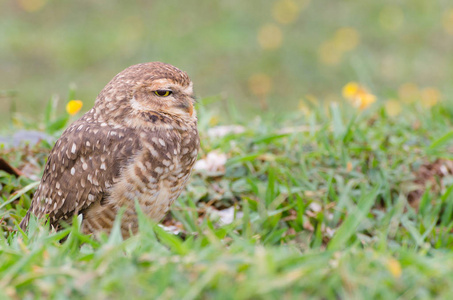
[[188, 90]]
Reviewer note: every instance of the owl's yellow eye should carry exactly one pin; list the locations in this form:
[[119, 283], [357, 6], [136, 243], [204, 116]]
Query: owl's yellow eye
[[163, 93]]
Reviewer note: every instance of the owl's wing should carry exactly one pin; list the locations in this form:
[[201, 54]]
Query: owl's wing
[[82, 165]]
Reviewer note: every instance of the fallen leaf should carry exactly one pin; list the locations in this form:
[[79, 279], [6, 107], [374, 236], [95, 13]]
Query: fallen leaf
[[213, 164]]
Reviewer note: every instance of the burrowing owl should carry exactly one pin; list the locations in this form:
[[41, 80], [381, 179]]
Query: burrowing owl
[[138, 142]]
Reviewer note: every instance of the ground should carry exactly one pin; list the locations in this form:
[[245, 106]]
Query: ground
[[328, 202]]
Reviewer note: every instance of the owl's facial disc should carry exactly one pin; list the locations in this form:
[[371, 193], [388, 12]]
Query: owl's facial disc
[[186, 106], [172, 96]]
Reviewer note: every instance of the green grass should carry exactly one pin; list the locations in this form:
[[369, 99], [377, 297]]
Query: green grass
[[330, 202], [325, 209]]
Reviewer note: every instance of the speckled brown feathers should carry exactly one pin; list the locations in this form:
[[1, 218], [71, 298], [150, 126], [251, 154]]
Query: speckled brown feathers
[[132, 145]]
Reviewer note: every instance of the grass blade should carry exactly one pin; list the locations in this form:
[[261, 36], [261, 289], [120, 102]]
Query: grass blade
[[349, 227]]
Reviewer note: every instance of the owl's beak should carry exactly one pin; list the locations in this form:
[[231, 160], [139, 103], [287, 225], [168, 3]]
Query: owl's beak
[[187, 106], [190, 109]]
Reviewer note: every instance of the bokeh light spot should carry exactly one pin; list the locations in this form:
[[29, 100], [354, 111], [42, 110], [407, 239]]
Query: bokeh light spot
[[304, 108], [331, 51], [408, 92], [393, 108], [391, 17], [394, 267], [346, 39], [430, 96], [260, 84], [329, 54], [349, 166], [287, 11], [31, 5], [270, 36], [448, 21]]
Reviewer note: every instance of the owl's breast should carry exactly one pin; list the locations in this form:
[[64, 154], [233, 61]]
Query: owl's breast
[[155, 204], [168, 161], [156, 176]]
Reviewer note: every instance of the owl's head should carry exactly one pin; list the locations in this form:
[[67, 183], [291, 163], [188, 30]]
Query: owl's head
[[153, 87]]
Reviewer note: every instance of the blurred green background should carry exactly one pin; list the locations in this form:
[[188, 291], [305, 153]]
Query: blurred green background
[[255, 53]]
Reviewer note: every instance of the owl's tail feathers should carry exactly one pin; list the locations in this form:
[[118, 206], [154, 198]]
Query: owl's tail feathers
[[24, 223]]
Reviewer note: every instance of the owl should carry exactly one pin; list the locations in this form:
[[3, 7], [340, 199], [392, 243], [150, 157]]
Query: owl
[[138, 143]]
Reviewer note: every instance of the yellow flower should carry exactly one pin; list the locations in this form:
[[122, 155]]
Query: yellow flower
[[350, 89], [358, 95], [214, 120], [394, 267], [364, 100], [74, 107]]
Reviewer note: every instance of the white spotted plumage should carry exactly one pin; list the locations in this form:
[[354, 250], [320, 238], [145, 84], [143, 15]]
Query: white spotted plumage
[[126, 148]]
